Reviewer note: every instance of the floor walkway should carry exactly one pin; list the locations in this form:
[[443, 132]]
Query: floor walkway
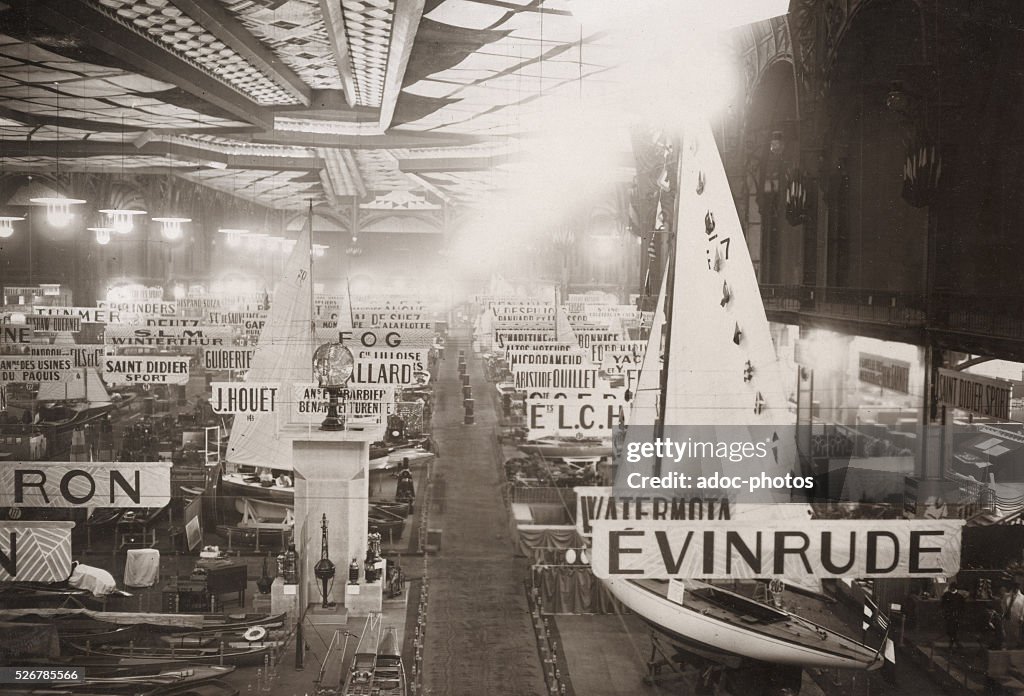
[[479, 639]]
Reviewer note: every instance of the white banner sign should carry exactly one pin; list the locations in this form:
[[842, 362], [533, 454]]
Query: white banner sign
[[379, 372], [81, 355], [122, 369], [35, 551], [85, 484], [168, 336], [88, 315], [33, 370], [227, 358], [748, 550], [555, 377], [244, 397], [53, 325], [15, 333], [600, 503], [593, 417], [166, 309]]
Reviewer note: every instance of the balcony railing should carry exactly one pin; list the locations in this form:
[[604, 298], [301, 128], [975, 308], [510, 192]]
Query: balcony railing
[[881, 306], [974, 315]]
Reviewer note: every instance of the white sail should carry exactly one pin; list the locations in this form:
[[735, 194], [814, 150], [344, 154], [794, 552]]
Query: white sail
[[563, 329], [643, 412], [89, 389], [284, 355]]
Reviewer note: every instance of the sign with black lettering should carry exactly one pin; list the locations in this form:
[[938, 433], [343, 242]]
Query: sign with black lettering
[[378, 338], [519, 359], [36, 370], [417, 356], [505, 336], [227, 358], [15, 333], [123, 369], [557, 377], [81, 354], [600, 503], [311, 402], [168, 336], [599, 349], [593, 417], [749, 550], [392, 372], [35, 551], [244, 397], [88, 315], [53, 325], [884, 372], [166, 309], [982, 396], [85, 484], [586, 336]]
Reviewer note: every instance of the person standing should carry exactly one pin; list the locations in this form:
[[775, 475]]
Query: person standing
[[1013, 615], [953, 604]]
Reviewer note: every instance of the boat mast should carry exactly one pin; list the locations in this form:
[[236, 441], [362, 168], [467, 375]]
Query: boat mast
[[312, 290], [671, 233]]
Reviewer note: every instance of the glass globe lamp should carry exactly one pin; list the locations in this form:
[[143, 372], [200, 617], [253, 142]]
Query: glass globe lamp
[[333, 364]]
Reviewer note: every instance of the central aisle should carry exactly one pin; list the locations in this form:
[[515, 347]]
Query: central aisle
[[479, 639]]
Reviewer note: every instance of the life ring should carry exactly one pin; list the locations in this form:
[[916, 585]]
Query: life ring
[[570, 556], [255, 633]]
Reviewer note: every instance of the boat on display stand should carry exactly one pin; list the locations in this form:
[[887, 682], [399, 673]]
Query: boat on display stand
[[710, 361]]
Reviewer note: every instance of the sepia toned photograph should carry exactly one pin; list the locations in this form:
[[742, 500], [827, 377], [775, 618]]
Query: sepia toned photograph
[[511, 348]]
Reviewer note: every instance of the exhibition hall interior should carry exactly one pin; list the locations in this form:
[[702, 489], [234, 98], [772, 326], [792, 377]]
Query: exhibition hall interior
[[511, 347]]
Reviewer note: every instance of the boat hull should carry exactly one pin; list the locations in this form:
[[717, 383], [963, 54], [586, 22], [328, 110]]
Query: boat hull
[[799, 643], [567, 448]]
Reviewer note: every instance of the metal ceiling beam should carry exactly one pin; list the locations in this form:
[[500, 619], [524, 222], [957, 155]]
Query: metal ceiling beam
[[93, 27], [393, 139], [222, 24], [419, 165], [404, 24], [90, 148], [334, 19]]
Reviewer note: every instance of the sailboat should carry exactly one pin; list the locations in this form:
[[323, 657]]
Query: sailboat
[[711, 366], [259, 455], [67, 405]]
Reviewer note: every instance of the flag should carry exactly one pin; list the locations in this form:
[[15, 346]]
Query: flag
[[873, 616], [652, 249]]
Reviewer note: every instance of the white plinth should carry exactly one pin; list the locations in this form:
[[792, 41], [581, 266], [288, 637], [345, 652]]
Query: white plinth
[[368, 597]]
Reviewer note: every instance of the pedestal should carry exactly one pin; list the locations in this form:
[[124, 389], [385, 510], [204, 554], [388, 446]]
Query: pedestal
[[368, 597], [332, 478], [284, 599]]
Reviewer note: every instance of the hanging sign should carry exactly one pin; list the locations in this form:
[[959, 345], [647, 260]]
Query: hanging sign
[[884, 372], [576, 394], [122, 369], [750, 550], [506, 336], [166, 309], [33, 369], [310, 399], [982, 396], [244, 397], [520, 360], [85, 484], [52, 325], [600, 503], [15, 333], [88, 315], [392, 372], [168, 336], [588, 336], [593, 417], [417, 356], [227, 358], [557, 377], [81, 354], [378, 338], [35, 551], [599, 349]]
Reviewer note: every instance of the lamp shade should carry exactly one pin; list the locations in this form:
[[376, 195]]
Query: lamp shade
[[333, 364]]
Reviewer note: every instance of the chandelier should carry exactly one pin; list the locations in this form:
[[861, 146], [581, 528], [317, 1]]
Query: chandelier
[[7, 225], [58, 209], [102, 234], [121, 220], [171, 227]]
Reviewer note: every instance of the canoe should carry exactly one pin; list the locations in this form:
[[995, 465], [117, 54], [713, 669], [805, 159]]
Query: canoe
[[226, 655]]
